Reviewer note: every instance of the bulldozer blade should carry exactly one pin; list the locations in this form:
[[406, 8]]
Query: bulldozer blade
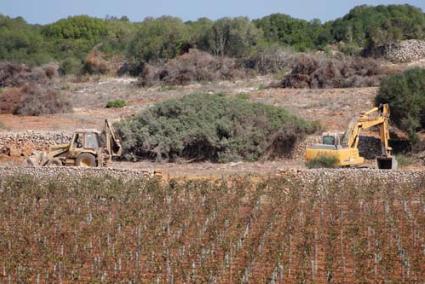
[[387, 163], [37, 159]]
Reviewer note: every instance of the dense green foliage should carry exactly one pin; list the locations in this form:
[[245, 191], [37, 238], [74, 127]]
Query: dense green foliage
[[211, 127], [166, 37], [67, 40], [368, 26], [405, 93], [161, 38], [232, 37], [21, 42], [300, 34]]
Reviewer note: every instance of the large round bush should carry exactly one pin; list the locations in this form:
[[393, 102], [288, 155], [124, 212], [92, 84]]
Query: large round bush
[[217, 128], [405, 93]]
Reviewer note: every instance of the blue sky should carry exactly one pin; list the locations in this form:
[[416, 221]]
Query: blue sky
[[47, 11]]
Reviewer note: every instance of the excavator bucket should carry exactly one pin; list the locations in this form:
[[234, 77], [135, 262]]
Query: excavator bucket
[[387, 163]]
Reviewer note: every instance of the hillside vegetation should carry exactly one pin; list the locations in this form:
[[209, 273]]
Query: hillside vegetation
[[70, 40], [218, 128]]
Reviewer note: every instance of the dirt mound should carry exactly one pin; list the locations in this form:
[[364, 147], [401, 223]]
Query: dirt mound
[[316, 72], [194, 66]]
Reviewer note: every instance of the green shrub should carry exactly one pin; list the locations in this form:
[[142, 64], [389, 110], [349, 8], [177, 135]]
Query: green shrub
[[233, 37], [116, 104], [322, 162], [162, 38], [212, 127], [70, 66], [404, 161], [405, 93]]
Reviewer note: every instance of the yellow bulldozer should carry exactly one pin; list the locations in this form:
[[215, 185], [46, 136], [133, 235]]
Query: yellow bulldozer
[[344, 148], [87, 148]]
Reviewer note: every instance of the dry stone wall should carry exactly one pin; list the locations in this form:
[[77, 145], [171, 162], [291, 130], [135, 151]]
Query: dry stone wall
[[24, 143], [64, 173], [320, 177]]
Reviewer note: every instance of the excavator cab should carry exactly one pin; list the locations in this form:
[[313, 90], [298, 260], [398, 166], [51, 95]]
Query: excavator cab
[[329, 140]]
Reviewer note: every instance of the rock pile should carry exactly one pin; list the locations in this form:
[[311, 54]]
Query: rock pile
[[405, 51]]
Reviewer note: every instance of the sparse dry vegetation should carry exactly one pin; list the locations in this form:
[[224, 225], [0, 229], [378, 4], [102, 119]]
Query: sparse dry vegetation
[[95, 63], [16, 75], [29, 90], [10, 98], [39, 101], [311, 71], [194, 66], [270, 60], [34, 100]]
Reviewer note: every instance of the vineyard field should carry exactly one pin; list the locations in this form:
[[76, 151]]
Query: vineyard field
[[234, 230]]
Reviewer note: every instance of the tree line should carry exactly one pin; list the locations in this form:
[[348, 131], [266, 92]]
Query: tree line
[[157, 39]]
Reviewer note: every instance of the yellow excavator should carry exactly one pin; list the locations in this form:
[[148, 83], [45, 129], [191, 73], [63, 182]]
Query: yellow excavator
[[344, 149], [87, 148]]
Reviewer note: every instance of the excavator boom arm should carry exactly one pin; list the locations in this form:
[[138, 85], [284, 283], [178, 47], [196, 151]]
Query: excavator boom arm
[[113, 143], [366, 121]]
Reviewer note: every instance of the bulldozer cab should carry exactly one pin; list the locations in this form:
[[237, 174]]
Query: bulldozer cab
[[86, 141]]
